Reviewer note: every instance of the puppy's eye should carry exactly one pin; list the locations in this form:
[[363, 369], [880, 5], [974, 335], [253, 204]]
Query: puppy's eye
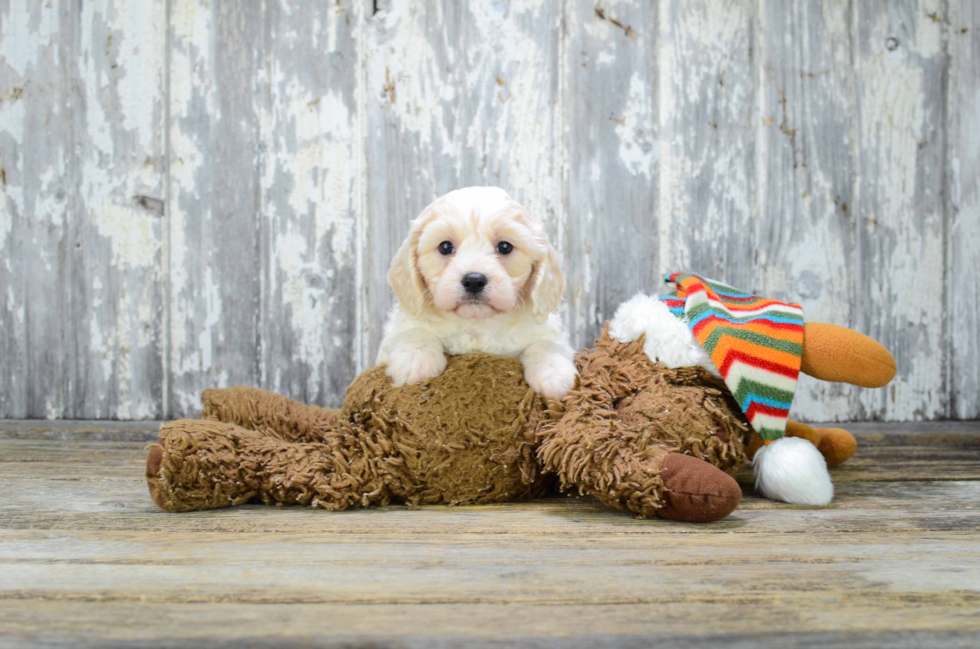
[[504, 248], [446, 248]]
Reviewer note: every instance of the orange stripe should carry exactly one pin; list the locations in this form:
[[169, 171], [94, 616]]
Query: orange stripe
[[695, 283], [791, 335], [727, 343], [786, 335]]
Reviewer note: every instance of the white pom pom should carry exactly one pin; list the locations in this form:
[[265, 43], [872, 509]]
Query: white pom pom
[[792, 470]]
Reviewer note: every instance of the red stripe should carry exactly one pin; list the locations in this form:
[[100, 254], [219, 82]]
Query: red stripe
[[759, 303], [736, 298], [756, 407], [765, 302], [781, 326], [776, 368], [695, 282]]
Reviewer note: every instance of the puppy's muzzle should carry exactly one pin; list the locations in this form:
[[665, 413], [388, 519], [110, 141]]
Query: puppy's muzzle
[[474, 283]]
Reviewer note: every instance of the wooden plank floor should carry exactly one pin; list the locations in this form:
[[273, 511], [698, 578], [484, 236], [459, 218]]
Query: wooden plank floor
[[87, 559]]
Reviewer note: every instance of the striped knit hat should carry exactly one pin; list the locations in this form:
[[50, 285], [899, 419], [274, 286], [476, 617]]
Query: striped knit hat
[[756, 344]]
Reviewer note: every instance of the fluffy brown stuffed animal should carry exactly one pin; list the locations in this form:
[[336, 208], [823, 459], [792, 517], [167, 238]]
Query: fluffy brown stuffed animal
[[470, 435], [465, 436], [636, 435], [644, 438], [620, 434]]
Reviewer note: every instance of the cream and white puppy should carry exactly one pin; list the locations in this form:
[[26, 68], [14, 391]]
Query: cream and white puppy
[[477, 274]]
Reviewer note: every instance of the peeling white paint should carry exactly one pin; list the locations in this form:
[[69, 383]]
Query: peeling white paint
[[307, 308], [805, 177], [135, 235], [403, 70], [903, 225], [320, 165], [519, 115], [28, 42], [636, 146], [746, 150], [963, 140]]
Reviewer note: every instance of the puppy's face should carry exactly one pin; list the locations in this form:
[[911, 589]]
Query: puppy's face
[[476, 252]]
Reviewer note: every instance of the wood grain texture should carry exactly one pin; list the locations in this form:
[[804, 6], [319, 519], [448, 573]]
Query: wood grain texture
[[205, 193], [963, 177], [308, 200], [708, 180], [85, 555], [81, 228], [900, 68], [496, 626], [457, 94], [263, 257], [610, 103], [214, 246], [77, 430], [805, 232]]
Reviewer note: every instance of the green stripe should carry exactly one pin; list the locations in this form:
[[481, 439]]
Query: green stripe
[[771, 434], [759, 339], [714, 284], [696, 311], [718, 286], [747, 385]]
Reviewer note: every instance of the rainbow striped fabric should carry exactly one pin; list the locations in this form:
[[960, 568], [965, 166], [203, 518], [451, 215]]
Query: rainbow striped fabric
[[756, 344]]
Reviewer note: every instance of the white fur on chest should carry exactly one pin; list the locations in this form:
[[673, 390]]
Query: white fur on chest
[[505, 334]]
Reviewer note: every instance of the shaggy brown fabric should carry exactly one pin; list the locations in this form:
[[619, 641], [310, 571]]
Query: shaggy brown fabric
[[636, 435], [207, 464], [609, 436], [464, 437], [276, 415]]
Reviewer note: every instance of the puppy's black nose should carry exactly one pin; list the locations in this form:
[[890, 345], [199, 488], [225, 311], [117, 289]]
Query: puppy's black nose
[[474, 282]]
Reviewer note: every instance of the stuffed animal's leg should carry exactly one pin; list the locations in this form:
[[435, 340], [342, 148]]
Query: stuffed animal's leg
[[200, 464], [619, 468], [835, 444], [833, 353], [269, 412]]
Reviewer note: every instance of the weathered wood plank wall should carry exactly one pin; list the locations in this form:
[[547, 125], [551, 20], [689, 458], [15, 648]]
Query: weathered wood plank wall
[[198, 193], [82, 176], [962, 207]]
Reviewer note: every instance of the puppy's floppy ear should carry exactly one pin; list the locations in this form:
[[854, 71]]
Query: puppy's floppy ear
[[546, 284], [404, 275]]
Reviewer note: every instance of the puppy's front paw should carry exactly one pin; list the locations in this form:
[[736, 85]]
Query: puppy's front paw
[[552, 376], [413, 365]]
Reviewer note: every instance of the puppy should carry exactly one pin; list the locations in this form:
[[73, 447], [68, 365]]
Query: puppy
[[477, 274]]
